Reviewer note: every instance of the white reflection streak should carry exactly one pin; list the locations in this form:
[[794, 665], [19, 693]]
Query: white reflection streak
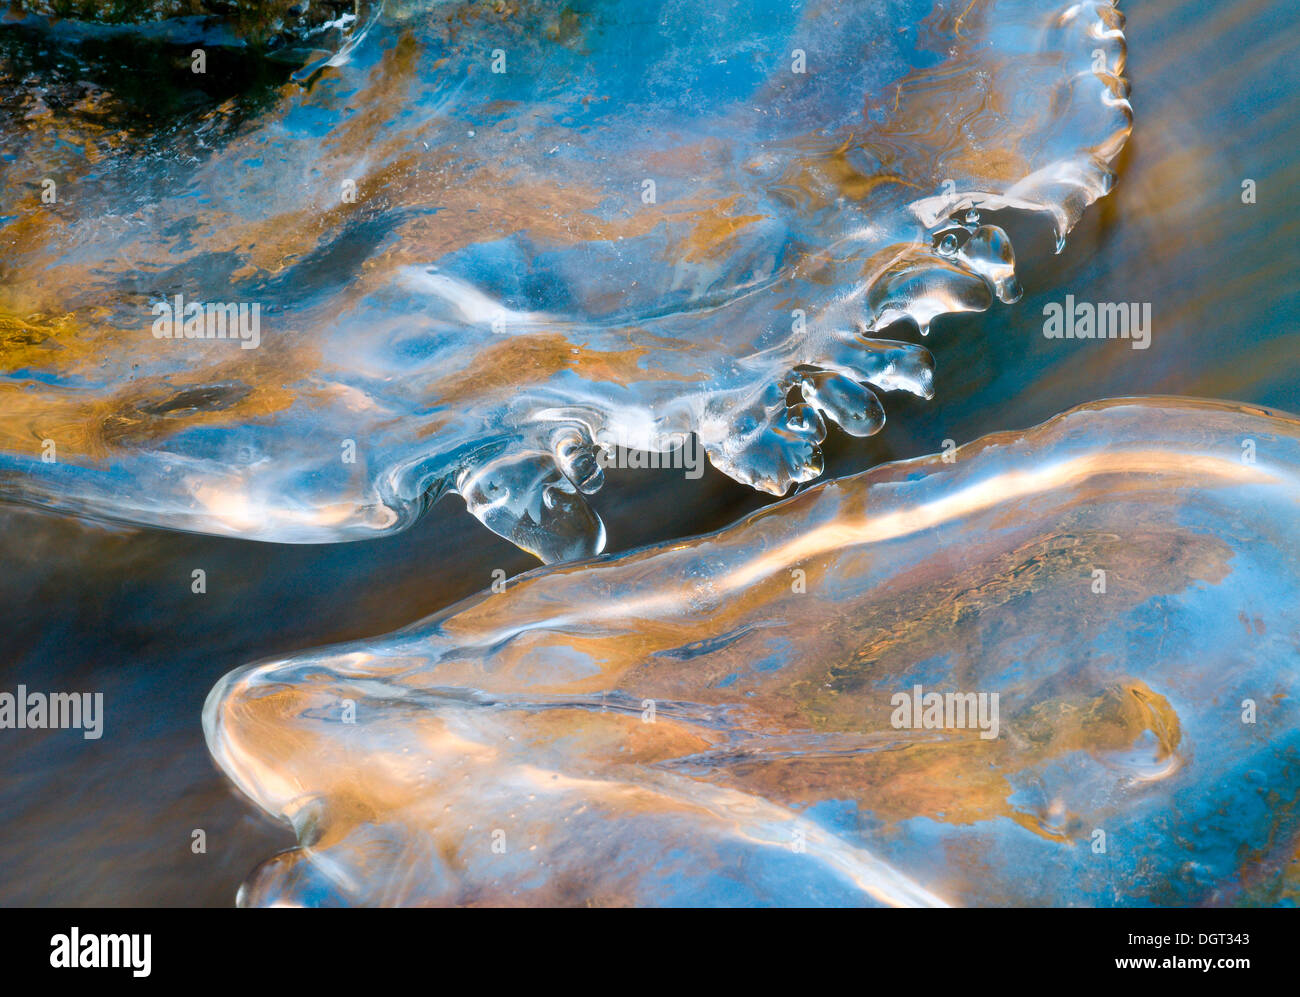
[[981, 496]]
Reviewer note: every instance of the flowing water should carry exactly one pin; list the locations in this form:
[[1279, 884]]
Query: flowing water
[[464, 275]]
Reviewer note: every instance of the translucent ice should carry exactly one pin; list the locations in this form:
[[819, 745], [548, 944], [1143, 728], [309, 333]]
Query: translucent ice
[[481, 238], [718, 721]]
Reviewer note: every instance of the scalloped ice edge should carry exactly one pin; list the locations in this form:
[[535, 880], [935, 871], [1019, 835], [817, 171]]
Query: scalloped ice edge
[[533, 494], [526, 470]]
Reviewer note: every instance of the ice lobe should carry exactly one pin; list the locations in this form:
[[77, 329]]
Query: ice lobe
[[719, 721], [487, 239]]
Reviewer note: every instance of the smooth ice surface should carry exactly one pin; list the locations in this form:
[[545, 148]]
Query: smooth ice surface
[[712, 721], [653, 220]]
